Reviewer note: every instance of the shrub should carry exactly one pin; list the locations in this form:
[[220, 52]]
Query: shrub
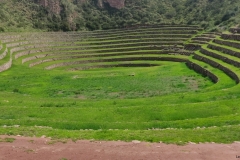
[[15, 90]]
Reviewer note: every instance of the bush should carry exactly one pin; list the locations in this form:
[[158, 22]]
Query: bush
[[2, 29], [15, 90]]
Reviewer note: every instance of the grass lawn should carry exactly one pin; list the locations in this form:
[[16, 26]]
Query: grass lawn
[[117, 103]]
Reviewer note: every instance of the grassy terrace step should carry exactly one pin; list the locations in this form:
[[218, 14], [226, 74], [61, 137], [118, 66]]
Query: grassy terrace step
[[119, 63], [159, 41], [66, 39], [48, 36], [130, 51], [231, 37], [150, 60], [4, 55], [40, 46], [208, 36], [178, 33], [234, 30], [61, 61], [34, 51], [137, 40], [89, 34], [103, 53], [104, 48], [112, 65], [117, 123], [221, 56], [90, 54], [202, 39], [199, 69], [191, 46], [5, 59], [167, 28], [156, 25], [3, 51], [42, 42], [142, 30], [45, 44], [73, 43], [113, 37], [198, 42], [101, 49], [145, 29], [222, 81], [180, 27], [143, 42], [43, 39], [227, 43], [69, 62], [45, 51], [228, 69], [225, 49], [142, 36]]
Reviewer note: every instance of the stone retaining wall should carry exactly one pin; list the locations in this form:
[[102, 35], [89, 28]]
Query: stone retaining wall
[[197, 68], [227, 43], [114, 65], [6, 65], [156, 41], [107, 36], [146, 32], [234, 30], [231, 37], [146, 36], [202, 39], [192, 47], [219, 66], [173, 59], [224, 50], [2, 55], [73, 55], [220, 57]]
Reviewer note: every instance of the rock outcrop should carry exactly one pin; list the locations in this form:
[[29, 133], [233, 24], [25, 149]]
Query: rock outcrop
[[116, 3], [53, 5]]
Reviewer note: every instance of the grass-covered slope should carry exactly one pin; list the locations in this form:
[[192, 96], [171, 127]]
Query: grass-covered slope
[[137, 83]]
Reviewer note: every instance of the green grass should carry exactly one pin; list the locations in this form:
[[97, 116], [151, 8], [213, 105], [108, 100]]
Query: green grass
[[50, 100], [104, 83], [225, 134], [168, 103], [9, 140]]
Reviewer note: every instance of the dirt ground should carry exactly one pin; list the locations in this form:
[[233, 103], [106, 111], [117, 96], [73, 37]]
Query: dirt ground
[[28, 148]]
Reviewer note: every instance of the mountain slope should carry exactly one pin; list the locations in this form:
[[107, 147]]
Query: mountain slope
[[66, 15]]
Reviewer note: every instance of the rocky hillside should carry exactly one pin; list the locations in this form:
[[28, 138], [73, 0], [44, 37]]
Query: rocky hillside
[[72, 15]]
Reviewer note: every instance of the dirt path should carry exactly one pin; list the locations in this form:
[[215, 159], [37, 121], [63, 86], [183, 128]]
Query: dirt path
[[25, 148]]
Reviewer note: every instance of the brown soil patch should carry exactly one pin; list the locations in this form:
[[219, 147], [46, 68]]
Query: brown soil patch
[[25, 148]]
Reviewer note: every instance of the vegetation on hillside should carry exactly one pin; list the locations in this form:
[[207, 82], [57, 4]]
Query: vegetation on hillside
[[27, 15]]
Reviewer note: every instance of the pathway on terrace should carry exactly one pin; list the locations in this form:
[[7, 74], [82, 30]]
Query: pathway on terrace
[[42, 148]]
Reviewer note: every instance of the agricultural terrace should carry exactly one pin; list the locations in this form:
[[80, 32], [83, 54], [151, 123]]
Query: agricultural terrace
[[170, 83]]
